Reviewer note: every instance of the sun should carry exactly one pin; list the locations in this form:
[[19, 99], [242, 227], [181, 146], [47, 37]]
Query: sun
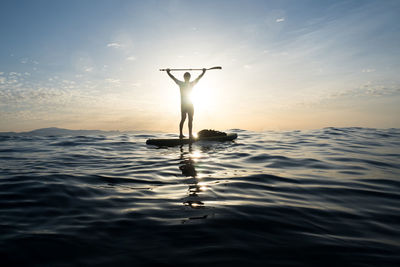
[[202, 97]]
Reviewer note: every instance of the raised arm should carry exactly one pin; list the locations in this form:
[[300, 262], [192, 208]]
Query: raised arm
[[201, 75], [172, 77]]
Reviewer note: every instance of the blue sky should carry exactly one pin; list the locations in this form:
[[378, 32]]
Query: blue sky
[[286, 64]]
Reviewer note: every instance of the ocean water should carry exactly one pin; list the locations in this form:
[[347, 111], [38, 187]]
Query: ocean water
[[327, 197]]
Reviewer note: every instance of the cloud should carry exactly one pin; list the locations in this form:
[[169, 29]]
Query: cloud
[[131, 58], [52, 97], [26, 60], [364, 93], [280, 20], [368, 70], [113, 81], [114, 45], [369, 90]]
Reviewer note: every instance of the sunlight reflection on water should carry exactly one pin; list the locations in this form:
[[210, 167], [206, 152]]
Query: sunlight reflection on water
[[328, 195]]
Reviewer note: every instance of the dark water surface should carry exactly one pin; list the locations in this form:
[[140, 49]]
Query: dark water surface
[[328, 197]]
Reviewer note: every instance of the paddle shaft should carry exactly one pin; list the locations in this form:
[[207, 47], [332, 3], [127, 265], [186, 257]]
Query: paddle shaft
[[213, 68]]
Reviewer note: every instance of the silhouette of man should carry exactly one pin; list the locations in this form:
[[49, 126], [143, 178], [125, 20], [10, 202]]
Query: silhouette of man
[[186, 103]]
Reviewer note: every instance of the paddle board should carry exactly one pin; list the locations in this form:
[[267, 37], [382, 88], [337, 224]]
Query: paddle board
[[177, 141]]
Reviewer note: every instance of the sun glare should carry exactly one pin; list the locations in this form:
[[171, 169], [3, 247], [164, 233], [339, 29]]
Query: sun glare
[[202, 97]]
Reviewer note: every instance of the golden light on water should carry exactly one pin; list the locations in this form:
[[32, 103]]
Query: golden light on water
[[195, 155], [202, 186]]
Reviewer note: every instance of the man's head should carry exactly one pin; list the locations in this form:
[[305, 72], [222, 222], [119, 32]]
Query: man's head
[[186, 76]]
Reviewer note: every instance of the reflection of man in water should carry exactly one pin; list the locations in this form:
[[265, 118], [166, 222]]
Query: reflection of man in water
[[187, 166], [186, 103]]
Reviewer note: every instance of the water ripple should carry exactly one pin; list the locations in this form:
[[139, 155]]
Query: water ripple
[[319, 197]]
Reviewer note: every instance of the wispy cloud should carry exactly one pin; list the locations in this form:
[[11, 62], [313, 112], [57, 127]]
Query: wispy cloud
[[355, 96], [26, 60], [368, 70], [114, 45], [280, 20], [112, 81], [131, 58]]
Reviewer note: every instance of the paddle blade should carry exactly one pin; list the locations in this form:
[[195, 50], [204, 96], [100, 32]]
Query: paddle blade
[[215, 68]]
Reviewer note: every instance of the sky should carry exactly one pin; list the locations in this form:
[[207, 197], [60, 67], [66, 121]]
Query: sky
[[286, 65]]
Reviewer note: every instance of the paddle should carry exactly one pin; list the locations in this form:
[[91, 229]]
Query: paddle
[[213, 68]]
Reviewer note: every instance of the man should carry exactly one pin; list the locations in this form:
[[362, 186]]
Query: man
[[186, 103]]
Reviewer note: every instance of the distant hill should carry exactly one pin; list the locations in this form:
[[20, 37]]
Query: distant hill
[[59, 131]]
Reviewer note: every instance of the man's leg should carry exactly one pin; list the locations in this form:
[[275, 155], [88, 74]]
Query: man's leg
[[190, 124], [183, 118]]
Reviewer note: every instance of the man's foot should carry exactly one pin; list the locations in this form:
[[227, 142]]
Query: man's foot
[[191, 136], [181, 136]]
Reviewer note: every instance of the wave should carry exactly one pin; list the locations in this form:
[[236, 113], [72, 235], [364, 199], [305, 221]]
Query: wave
[[318, 197]]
